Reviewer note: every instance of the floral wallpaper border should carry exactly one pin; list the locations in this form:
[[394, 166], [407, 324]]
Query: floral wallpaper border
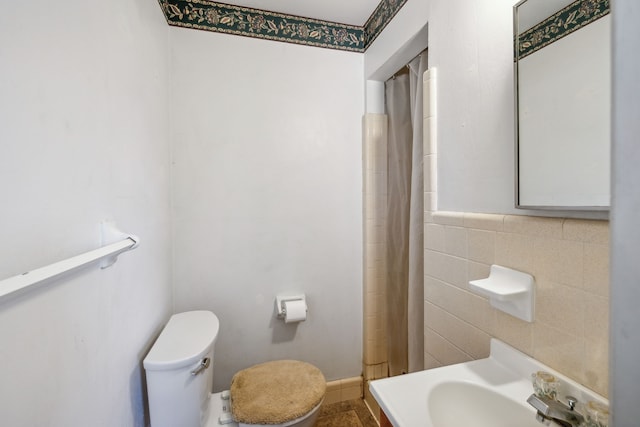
[[573, 17], [381, 16], [224, 18]]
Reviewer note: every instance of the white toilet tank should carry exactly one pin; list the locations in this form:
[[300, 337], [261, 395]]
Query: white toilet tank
[[179, 370]]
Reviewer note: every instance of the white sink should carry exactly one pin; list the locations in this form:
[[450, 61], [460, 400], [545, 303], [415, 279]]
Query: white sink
[[490, 392], [454, 404]]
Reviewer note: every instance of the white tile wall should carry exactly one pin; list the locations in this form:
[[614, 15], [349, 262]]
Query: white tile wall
[[375, 202]]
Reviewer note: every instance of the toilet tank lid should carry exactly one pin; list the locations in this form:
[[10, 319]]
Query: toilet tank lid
[[185, 339]]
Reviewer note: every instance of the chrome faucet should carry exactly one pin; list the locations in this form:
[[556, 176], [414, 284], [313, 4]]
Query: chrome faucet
[[552, 410]]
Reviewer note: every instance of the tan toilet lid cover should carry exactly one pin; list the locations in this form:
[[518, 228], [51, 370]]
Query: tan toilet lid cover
[[276, 392]]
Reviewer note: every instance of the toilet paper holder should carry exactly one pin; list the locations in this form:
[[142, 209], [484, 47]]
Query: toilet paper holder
[[281, 299]]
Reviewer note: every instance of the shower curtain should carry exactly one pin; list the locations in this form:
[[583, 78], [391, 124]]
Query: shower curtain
[[405, 219]]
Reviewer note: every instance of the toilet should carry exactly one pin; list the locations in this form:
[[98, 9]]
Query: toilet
[[179, 371]]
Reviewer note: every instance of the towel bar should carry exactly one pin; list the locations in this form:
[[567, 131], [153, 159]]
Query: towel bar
[[107, 253]]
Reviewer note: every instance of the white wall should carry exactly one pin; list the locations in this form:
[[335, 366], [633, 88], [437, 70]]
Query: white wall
[[625, 233], [83, 113], [268, 196], [470, 43], [471, 46]]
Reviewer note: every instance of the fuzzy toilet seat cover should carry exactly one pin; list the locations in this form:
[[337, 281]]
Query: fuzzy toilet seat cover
[[276, 392]]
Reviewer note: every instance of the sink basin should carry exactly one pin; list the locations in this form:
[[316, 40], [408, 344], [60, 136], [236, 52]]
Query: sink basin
[[490, 392], [455, 404]]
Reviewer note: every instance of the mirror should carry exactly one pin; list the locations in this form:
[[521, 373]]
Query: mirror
[[563, 85]]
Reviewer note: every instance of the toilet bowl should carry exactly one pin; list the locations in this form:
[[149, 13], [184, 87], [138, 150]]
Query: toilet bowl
[[179, 372]]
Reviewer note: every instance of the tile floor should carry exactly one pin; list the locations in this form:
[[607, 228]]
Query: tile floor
[[350, 413]]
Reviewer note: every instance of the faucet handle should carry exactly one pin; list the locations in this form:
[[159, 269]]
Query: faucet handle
[[572, 401]]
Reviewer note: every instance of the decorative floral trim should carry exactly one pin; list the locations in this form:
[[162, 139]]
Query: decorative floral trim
[[379, 19], [224, 18], [573, 17]]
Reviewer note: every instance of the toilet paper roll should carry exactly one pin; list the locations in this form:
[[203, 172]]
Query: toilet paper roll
[[295, 311]]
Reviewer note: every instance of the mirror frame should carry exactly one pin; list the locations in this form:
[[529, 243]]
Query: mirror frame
[[518, 205]]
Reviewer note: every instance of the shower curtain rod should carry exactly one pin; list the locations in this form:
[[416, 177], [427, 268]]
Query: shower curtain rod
[[107, 253], [406, 66]]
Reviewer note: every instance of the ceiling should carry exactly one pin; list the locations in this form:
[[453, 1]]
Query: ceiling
[[352, 12]]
